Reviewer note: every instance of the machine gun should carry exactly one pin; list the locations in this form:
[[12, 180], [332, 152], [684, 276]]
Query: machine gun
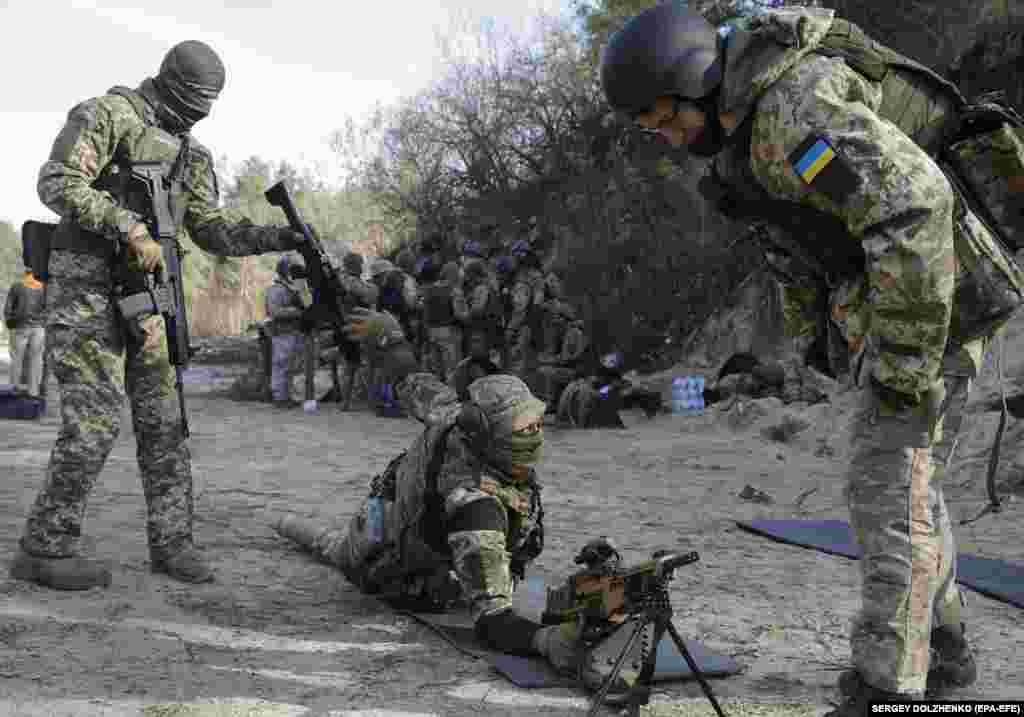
[[329, 306], [164, 293], [605, 595]]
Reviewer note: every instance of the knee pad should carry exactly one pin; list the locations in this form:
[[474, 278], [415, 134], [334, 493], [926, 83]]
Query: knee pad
[[481, 514]]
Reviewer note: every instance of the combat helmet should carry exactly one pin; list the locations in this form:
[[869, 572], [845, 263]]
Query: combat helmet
[[668, 49]]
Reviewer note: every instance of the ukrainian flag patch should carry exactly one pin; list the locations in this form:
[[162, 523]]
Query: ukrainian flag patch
[[823, 168]]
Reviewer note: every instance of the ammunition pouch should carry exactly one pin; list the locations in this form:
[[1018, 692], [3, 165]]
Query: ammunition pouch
[[71, 237]]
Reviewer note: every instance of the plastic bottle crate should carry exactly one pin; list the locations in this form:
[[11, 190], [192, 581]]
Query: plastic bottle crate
[[688, 395]]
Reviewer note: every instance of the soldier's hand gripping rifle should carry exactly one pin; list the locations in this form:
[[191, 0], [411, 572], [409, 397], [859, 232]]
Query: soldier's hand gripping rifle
[[329, 294], [605, 595], [164, 293]]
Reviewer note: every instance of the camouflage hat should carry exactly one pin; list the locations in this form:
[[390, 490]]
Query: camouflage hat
[[507, 403], [381, 266]]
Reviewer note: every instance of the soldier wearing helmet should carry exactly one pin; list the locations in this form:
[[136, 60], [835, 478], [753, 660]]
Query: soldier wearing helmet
[[103, 240], [829, 140], [525, 295], [284, 306]]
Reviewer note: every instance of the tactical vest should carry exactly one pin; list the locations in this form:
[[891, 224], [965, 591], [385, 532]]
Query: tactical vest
[[437, 305], [931, 111], [153, 145], [493, 314]]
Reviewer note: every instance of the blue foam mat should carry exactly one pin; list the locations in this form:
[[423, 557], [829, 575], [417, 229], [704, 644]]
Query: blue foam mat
[[536, 672], [531, 672], [997, 579]]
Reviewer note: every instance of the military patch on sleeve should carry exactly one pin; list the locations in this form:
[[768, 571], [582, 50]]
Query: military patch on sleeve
[[824, 169]]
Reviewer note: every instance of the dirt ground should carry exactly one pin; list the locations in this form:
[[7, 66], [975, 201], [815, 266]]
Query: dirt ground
[[278, 634]]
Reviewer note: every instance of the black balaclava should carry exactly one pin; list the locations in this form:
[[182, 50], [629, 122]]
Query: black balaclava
[[190, 79]]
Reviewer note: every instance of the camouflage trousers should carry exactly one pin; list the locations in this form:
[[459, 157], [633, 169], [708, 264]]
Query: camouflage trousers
[[897, 510], [443, 350], [286, 350], [96, 366]]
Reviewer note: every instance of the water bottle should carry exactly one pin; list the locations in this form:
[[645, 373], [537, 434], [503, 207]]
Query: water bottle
[[375, 520], [679, 403], [695, 400]]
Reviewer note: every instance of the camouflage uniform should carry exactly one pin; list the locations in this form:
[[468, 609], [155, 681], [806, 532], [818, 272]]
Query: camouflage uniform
[[94, 359], [484, 306], [557, 370], [444, 310], [480, 553], [525, 296], [284, 308], [893, 318]]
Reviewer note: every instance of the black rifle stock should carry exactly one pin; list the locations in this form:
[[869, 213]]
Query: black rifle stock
[[165, 293], [329, 294]]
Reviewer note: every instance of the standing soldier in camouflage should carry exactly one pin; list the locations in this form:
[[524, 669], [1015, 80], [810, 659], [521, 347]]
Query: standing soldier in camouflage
[[484, 320], [808, 118], [359, 293], [405, 262], [444, 309], [398, 295], [464, 517], [284, 310], [103, 242], [525, 296]]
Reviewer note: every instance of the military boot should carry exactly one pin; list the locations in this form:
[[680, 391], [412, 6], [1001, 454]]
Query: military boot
[[598, 662], [952, 663], [859, 695], [186, 565], [71, 573], [560, 645]]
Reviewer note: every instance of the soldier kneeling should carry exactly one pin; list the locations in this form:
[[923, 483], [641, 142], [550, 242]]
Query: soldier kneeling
[[456, 518]]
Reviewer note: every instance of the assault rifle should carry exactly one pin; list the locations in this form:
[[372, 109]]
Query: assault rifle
[[329, 306], [164, 293], [604, 596]]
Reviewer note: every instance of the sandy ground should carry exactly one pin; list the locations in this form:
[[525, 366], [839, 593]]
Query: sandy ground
[[278, 634]]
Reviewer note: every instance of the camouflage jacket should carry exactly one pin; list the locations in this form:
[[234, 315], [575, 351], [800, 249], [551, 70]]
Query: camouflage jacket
[[284, 307], [526, 294], [104, 130], [460, 473], [894, 200]]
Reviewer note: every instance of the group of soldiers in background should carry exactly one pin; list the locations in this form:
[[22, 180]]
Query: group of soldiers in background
[[497, 308]]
